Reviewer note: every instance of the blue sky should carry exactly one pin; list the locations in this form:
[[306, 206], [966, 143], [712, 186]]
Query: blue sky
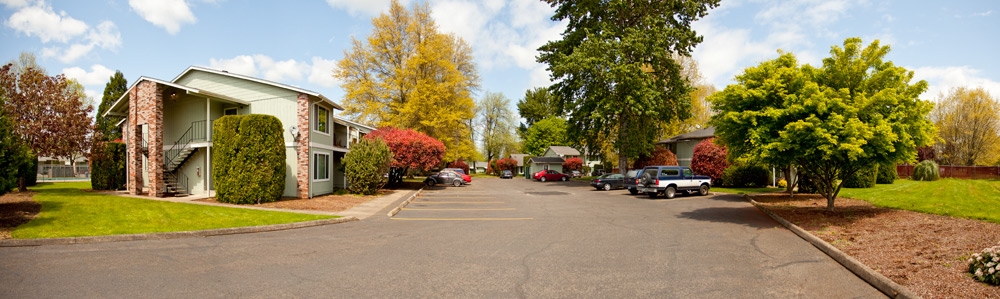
[[953, 43]]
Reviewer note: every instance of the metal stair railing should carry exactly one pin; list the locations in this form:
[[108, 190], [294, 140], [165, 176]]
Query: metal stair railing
[[196, 132]]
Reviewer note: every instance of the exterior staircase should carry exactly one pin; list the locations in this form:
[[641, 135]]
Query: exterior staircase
[[174, 185]]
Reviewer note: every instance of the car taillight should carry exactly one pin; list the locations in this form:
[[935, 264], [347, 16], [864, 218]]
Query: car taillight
[[657, 181]]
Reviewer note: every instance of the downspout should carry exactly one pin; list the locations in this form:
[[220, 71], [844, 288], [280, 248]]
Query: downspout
[[208, 150]]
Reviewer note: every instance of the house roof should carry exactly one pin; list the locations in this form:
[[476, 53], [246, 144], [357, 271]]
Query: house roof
[[519, 158], [259, 80], [547, 160], [121, 104], [564, 150], [345, 122], [697, 134]]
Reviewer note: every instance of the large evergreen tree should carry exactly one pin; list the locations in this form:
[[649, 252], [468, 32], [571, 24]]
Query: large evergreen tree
[[114, 89], [615, 71]]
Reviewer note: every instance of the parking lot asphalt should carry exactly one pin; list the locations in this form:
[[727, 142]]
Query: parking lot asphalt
[[491, 239]]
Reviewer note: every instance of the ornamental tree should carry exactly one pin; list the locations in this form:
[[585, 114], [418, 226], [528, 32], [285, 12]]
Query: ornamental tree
[[460, 165], [507, 164], [854, 111], [572, 164], [410, 149], [709, 159], [659, 156]]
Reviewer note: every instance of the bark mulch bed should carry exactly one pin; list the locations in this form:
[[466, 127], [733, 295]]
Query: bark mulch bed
[[16, 208], [925, 253]]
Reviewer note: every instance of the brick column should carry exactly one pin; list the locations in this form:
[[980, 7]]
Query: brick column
[[133, 138], [302, 173], [150, 109]]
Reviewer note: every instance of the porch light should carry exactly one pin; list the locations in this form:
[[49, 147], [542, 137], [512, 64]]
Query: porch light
[[295, 132]]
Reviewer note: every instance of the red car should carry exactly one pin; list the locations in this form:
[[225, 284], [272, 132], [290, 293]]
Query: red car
[[551, 175]]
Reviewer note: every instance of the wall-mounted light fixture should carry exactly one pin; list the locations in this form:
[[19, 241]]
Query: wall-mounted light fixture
[[295, 133]]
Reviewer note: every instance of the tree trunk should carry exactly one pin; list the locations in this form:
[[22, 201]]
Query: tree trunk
[[622, 158], [22, 185]]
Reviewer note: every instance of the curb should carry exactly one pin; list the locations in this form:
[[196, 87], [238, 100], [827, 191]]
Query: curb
[[404, 203], [880, 282], [172, 235]]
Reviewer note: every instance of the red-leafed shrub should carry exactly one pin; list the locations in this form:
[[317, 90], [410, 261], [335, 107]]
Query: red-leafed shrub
[[709, 159], [410, 149], [460, 165], [572, 164], [507, 164], [659, 156]]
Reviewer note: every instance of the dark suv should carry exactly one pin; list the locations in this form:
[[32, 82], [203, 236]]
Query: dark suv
[[632, 181]]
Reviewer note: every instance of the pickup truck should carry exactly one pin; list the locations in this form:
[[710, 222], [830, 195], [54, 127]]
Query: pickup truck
[[668, 180]]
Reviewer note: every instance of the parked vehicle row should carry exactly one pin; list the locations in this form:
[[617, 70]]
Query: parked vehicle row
[[656, 181]]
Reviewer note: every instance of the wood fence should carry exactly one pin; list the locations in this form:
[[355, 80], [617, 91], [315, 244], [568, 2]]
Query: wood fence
[[955, 171]]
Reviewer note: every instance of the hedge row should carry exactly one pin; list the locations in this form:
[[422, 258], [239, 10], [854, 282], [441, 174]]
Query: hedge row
[[863, 178], [366, 165], [749, 175], [248, 158], [107, 163]]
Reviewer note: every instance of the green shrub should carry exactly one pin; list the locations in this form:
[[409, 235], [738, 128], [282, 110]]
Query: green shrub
[[746, 175], [863, 178], [107, 166], [366, 165], [29, 171], [926, 170], [248, 158], [886, 173]]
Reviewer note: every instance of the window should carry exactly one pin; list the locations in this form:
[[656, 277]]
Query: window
[[322, 120], [229, 111], [687, 172], [321, 167], [669, 172]]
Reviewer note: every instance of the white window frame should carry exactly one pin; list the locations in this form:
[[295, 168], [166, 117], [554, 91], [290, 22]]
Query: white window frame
[[329, 120], [315, 172]]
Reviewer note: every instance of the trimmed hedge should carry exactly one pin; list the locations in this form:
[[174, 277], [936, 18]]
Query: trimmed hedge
[[886, 173], [107, 163], [366, 165], [863, 178], [926, 170], [29, 171], [248, 158], [749, 175]]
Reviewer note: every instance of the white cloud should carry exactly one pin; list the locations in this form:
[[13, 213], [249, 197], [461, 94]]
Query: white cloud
[[46, 24], [169, 14], [97, 76], [265, 67], [16, 3], [106, 36], [321, 72], [361, 7], [942, 79]]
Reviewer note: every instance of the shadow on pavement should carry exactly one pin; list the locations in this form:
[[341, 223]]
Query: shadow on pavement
[[748, 215]]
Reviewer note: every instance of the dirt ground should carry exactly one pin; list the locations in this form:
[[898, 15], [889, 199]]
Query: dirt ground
[[16, 208], [925, 253]]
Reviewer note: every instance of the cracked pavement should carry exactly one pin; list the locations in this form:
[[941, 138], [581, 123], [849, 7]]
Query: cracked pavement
[[492, 239]]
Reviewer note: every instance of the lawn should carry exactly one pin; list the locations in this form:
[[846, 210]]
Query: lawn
[[70, 211], [974, 199], [746, 190]]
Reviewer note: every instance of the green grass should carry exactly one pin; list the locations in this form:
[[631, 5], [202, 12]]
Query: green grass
[[68, 211], [746, 190], [974, 199]]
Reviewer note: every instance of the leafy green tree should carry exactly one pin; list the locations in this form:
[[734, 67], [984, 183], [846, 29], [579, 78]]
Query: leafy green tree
[[537, 104], [13, 152], [968, 123], [366, 164], [543, 134], [408, 75], [497, 124], [855, 111], [615, 69], [105, 125]]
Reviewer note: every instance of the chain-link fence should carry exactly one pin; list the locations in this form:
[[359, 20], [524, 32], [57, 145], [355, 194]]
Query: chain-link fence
[[63, 171]]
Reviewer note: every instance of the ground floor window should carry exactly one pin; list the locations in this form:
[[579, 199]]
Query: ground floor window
[[321, 167]]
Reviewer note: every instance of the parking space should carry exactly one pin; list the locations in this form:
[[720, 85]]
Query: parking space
[[475, 202]]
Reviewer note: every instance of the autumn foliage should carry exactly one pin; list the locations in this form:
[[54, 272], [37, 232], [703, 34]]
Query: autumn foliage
[[410, 149], [709, 159], [507, 164], [572, 164], [460, 165], [659, 156]]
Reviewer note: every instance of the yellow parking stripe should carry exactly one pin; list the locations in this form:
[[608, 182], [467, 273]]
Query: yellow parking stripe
[[461, 219]]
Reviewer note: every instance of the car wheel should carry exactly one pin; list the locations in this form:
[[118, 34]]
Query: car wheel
[[429, 183], [607, 187], [703, 190], [652, 195], [670, 192], [633, 191], [456, 183], [564, 178], [542, 179]]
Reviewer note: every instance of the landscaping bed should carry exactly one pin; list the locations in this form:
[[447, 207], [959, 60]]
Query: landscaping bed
[[925, 253], [325, 203], [16, 208]]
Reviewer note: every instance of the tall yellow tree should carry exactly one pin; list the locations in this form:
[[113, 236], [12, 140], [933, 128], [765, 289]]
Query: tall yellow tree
[[968, 122], [701, 112], [406, 74]]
